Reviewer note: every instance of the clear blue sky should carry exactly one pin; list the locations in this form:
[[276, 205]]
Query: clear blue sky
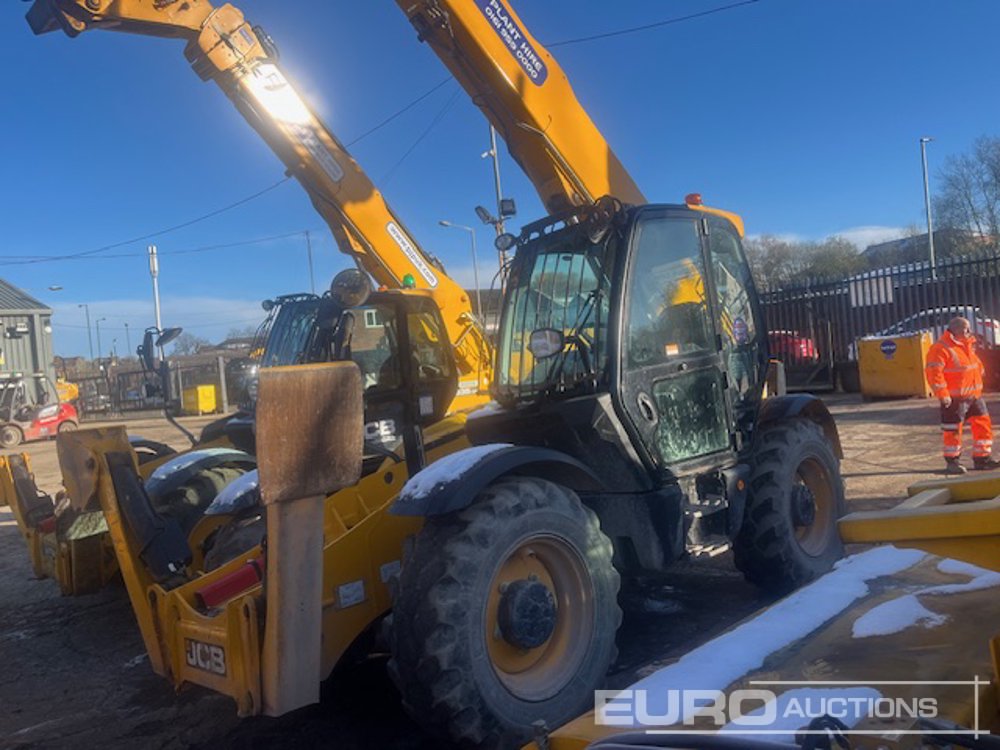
[[802, 115]]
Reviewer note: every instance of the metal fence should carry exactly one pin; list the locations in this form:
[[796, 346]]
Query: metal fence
[[813, 327], [120, 392]]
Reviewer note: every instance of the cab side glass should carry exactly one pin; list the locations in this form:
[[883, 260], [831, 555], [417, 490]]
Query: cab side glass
[[668, 311], [738, 322], [427, 343], [375, 347]]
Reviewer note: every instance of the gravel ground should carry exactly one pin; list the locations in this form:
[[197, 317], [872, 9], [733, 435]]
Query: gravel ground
[[74, 671]]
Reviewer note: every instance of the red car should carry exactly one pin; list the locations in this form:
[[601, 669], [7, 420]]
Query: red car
[[32, 412], [791, 347]]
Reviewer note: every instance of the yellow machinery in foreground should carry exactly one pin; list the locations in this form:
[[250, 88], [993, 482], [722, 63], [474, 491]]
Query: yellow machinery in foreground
[[899, 644]]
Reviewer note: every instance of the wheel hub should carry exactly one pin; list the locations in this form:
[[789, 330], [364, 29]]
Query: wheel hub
[[803, 506], [527, 613]]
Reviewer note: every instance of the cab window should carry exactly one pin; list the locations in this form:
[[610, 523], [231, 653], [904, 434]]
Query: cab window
[[668, 311], [374, 347]]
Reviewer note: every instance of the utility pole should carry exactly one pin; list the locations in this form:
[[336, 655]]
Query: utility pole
[[154, 272], [90, 338], [97, 324], [128, 342], [927, 205], [309, 250]]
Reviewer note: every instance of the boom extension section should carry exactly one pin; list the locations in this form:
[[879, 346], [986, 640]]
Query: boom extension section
[[524, 93]]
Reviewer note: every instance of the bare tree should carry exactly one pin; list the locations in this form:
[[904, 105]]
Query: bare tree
[[776, 262], [968, 200], [188, 343]]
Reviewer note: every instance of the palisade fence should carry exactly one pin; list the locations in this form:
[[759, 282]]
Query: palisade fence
[[122, 392], [813, 326]]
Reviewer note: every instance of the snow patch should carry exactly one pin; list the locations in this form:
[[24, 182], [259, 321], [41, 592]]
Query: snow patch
[[486, 409], [446, 470], [724, 660], [135, 662], [981, 578], [895, 616]]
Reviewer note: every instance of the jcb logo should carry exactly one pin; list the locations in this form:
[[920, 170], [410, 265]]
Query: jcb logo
[[205, 656]]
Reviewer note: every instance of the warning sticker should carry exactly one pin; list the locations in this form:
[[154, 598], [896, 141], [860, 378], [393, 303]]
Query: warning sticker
[[411, 252], [507, 29]]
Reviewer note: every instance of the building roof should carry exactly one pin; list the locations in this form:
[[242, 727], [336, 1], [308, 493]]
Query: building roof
[[13, 299]]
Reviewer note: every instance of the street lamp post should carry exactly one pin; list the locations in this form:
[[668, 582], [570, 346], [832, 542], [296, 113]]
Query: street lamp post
[[154, 273], [97, 324], [475, 262], [128, 342], [90, 338], [927, 205]]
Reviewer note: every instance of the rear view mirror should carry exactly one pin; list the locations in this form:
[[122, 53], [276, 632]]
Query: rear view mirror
[[145, 350], [168, 335], [546, 342]]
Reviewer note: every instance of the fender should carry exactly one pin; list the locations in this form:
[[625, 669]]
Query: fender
[[453, 482], [175, 472], [802, 405], [156, 448]]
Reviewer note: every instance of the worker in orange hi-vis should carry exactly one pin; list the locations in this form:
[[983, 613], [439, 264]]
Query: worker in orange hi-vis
[[955, 374]]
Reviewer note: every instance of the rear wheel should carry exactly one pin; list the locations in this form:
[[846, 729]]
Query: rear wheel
[[68, 426], [10, 436], [789, 534], [505, 615]]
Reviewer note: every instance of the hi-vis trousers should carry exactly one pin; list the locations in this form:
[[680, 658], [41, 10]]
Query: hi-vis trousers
[[974, 411]]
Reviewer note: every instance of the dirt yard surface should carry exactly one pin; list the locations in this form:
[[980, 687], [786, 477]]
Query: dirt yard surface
[[73, 672]]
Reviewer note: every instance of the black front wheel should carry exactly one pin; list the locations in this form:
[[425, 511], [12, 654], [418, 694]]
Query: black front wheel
[[505, 614], [10, 436], [789, 534]]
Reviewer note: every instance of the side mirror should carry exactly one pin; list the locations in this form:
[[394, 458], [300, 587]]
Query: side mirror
[[145, 351], [505, 242], [546, 342], [168, 335], [350, 288]]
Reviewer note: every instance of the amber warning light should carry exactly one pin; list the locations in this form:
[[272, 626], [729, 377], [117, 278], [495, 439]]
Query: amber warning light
[[693, 199]]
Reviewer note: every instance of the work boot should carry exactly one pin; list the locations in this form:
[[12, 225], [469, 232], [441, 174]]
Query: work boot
[[952, 466], [985, 463]]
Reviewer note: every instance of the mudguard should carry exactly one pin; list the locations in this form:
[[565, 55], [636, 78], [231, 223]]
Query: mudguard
[[175, 472], [453, 482], [801, 405], [240, 494]]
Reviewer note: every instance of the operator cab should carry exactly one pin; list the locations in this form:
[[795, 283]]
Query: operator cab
[[638, 332], [374, 329]]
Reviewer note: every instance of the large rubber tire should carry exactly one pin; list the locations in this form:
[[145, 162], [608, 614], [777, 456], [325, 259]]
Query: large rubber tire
[[793, 465], [10, 436], [457, 672], [188, 502]]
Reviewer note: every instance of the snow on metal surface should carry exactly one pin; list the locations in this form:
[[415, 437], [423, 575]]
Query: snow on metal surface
[[895, 616], [982, 578], [446, 470], [720, 662]]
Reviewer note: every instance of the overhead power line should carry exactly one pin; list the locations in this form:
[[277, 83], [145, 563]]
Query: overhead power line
[[648, 26], [427, 131], [151, 235]]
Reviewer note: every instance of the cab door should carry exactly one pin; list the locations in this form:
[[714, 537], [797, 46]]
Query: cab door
[[674, 386]]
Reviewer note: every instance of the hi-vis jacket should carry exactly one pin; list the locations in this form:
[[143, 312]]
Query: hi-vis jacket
[[953, 369]]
